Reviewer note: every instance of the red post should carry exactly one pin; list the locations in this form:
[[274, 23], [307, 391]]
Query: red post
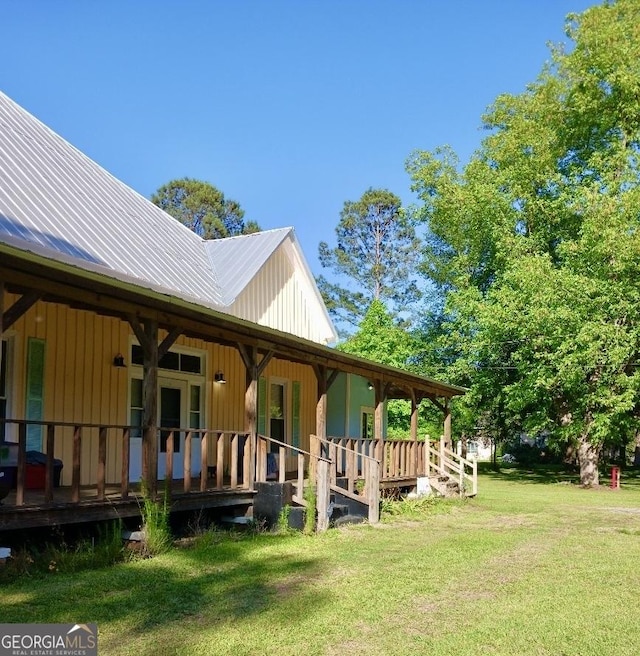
[[615, 478]]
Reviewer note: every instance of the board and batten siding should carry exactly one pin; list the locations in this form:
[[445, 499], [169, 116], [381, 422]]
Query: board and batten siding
[[80, 382], [281, 297], [81, 385]]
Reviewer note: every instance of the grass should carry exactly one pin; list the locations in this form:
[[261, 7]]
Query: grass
[[534, 565]]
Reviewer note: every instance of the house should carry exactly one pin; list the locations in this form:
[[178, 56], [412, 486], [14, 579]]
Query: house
[[120, 326]]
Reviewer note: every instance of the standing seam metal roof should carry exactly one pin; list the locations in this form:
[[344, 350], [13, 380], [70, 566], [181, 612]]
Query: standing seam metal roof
[[237, 260], [54, 196]]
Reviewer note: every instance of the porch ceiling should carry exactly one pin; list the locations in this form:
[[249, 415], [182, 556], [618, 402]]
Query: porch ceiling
[[61, 282]]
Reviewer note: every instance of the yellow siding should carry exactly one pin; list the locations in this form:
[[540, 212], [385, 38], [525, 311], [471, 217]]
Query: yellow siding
[[83, 386], [280, 297]]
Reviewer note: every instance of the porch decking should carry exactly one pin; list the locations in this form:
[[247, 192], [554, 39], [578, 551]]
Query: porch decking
[[36, 512]]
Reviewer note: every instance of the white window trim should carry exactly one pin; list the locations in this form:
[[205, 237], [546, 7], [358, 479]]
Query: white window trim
[[288, 406], [370, 411], [201, 379]]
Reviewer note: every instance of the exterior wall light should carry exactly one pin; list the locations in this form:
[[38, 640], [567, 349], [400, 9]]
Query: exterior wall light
[[219, 377]]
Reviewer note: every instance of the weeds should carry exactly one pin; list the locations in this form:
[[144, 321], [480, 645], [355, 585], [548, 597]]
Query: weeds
[[155, 525], [310, 509], [103, 550], [407, 508], [283, 520]]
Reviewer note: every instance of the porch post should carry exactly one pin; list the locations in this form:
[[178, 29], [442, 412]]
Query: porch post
[[380, 395], [414, 416], [447, 424], [251, 410], [414, 431], [254, 370], [150, 407], [321, 418]]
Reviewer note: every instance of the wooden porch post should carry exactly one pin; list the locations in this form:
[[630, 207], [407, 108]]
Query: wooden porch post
[[414, 416], [380, 396], [147, 335], [447, 424], [254, 370], [321, 418], [251, 412], [150, 408], [414, 431]]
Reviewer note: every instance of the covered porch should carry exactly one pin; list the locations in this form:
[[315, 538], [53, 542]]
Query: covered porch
[[216, 466]]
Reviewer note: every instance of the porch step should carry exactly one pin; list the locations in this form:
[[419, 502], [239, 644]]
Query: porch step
[[445, 486], [337, 511], [349, 519], [296, 517]]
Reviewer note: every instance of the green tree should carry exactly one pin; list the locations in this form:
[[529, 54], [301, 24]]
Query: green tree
[[203, 208], [382, 340], [535, 244], [375, 258], [379, 339]]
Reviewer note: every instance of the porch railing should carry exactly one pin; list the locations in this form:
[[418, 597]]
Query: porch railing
[[224, 460], [354, 461], [448, 464], [265, 470], [405, 460]]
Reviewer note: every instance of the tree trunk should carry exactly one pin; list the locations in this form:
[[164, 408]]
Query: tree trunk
[[636, 452], [588, 456]]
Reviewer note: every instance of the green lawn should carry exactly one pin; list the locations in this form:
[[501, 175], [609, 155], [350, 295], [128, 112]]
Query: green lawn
[[534, 565]]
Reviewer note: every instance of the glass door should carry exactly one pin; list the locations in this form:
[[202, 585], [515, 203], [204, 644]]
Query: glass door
[[172, 413]]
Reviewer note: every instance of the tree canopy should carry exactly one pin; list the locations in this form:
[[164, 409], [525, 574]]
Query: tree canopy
[[535, 244], [203, 208], [375, 258]]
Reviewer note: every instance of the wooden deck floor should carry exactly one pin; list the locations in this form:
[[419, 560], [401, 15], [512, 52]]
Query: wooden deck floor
[[36, 513]]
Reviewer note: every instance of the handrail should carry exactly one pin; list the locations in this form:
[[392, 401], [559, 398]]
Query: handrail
[[370, 475], [448, 462], [322, 471]]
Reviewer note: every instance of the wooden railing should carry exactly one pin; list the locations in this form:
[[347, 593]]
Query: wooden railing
[[354, 461], [405, 460], [266, 470], [447, 463], [398, 459], [224, 459]]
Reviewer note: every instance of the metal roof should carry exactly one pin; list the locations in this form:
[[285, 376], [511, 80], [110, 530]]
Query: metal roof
[[54, 197], [237, 260]]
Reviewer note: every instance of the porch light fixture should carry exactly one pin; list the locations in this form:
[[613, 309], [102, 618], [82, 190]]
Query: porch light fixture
[[219, 377], [370, 386], [118, 360]]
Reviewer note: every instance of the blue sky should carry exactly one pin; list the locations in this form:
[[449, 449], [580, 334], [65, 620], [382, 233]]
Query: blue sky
[[290, 107]]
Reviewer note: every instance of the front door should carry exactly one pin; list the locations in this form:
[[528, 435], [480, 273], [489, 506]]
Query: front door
[[172, 413]]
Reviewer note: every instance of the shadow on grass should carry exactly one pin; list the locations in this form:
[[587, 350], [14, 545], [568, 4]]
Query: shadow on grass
[[198, 587], [546, 474], [543, 474]]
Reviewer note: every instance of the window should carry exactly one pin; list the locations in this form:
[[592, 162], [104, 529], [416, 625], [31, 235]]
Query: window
[[366, 424], [195, 407], [279, 404], [35, 391], [173, 361], [170, 405], [295, 414], [277, 420], [136, 407]]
